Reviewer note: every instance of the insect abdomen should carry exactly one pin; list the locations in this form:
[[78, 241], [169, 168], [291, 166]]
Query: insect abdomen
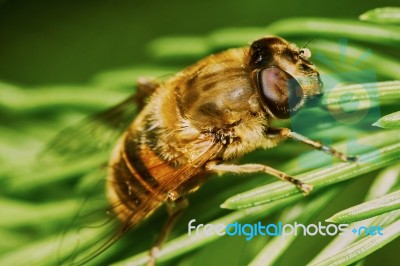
[[133, 191]]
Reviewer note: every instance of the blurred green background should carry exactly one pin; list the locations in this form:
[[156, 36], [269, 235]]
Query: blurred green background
[[47, 42], [84, 46]]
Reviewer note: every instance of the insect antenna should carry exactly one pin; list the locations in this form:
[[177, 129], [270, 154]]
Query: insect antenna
[[310, 40]]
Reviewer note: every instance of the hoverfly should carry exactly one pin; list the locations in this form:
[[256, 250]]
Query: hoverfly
[[197, 121]]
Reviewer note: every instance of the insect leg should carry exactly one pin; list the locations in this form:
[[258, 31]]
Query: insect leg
[[285, 132], [257, 168], [174, 209]]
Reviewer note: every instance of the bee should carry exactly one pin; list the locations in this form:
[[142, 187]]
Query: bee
[[196, 122]]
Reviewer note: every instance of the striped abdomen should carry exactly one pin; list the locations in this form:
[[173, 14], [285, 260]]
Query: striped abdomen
[[139, 180]]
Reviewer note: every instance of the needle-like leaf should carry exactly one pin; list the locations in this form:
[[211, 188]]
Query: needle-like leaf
[[381, 157], [362, 248], [389, 121], [382, 15], [368, 209]]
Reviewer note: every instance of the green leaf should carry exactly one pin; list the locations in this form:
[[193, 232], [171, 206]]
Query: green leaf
[[335, 28], [368, 162], [302, 214], [28, 102], [389, 121], [47, 251], [362, 248], [299, 27], [188, 47], [368, 209], [383, 183], [366, 91], [315, 159], [21, 214], [340, 242], [387, 179], [33, 179], [360, 63], [186, 243], [382, 15]]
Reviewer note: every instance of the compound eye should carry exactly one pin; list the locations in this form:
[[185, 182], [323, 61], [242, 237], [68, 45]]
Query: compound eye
[[280, 92]]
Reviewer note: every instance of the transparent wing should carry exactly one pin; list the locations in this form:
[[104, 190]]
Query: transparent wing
[[96, 225], [93, 134]]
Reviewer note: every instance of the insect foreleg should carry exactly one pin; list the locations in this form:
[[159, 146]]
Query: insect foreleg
[[287, 133]]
